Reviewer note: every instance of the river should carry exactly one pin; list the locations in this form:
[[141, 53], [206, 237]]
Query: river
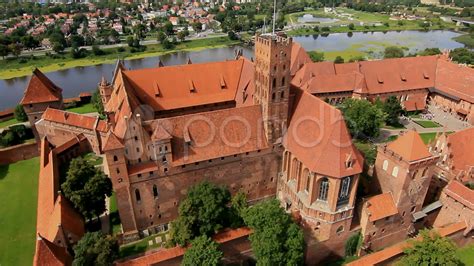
[[80, 79]]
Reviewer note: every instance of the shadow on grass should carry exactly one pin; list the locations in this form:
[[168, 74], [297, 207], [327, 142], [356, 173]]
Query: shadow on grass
[[4, 171], [132, 250]]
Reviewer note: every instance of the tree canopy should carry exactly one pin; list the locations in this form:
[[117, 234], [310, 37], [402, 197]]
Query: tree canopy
[[363, 118], [86, 187], [393, 110], [276, 239], [203, 251], [97, 104], [203, 212], [95, 249], [20, 114], [393, 52], [431, 250]]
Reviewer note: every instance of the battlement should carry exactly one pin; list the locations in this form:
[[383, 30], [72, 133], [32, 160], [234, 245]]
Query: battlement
[[268, 39]]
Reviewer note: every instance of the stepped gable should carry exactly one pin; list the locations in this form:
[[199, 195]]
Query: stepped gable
[[410, 147], [318, 136], [40, 89], [50, 254], [215, 134]]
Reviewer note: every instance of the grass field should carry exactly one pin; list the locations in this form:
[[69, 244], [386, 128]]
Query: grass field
[[13, 68], [466, 254], [18, 197], [8, 123], [427, 123], [141, 245], [83, 109], [466, 39]]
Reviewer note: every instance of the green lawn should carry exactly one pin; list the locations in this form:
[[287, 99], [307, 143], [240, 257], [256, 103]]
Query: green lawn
[[83, 109], [428, 137], [466, 39], [18, 197], [93, 159], [427, 123], [141, 245], [8, 123], [114, 215], [466, 254]]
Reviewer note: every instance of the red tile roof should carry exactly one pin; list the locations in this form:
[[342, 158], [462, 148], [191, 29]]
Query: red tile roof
[[298, 58], [69, 118], [455, 80], [318, 136], [214, 134], [461, 193], [172, 87], [381, 206], [49, 254], [40, 89], [112, 143], [409, 146], [142, 168], [461, 147]]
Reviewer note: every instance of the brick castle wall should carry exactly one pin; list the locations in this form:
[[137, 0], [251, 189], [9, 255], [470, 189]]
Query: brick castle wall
[[18, 152]]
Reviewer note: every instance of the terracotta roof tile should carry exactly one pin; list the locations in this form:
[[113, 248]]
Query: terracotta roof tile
[[214, 134], [461, 193], [112, 143], [49, 254], [142, 168], [41, 89], [318, 136], [461, 149], [298, 58], [455, 80], [409, 146], [69, 118], [381, 206]]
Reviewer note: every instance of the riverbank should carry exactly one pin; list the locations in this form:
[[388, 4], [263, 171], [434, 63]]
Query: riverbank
[[466, 39], [14, 68]]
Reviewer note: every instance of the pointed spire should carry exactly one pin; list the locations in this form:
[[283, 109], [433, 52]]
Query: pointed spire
[[189, 61], [274, 16], [160, 64], [103, 82]]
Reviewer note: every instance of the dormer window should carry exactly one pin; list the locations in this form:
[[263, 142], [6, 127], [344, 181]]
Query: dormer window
[[379, 79], [192, 88], [403, 77], [222, 83], [425, 75], [157, 90]]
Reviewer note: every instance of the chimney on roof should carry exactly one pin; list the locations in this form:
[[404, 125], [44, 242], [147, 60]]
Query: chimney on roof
[[192, 88], [157, 90], [189, 61], [403, 77], [222, 82], [425, 75], [66, 115]]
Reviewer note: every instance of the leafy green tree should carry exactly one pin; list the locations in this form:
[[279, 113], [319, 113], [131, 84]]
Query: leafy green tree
[[86, 187], [161, 36], [430, 51], [15, 49], [237, 209], [316, 56], [363, 119], [232, 35], [181, 36], [276, 239], [393, 110], [168, 28], [202, 212], [197, 26], [203, 251], [393, 52], [4, 50], [20, 114], [167, 44], [339, 60], [97, 104], [431, 250], [97, 51], [351, 26], [95, 249], [58, 47], [351, 244]]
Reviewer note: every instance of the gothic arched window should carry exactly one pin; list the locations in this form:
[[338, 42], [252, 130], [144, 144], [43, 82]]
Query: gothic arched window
[[137, 195], [155, 191], [345, 186], [115, 158], [395, 171], [385, 165], [323, 189]]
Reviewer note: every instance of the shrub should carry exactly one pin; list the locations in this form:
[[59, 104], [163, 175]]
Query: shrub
[[351, 244], [120, 49], [20, 114]]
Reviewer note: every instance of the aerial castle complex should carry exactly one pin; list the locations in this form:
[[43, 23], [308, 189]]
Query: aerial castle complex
[[266, 127]]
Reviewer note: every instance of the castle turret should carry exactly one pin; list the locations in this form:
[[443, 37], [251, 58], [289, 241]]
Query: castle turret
[[105, 89]]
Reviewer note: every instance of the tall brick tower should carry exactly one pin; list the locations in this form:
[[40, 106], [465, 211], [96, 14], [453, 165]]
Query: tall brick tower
[[272, 78], [105, 89]]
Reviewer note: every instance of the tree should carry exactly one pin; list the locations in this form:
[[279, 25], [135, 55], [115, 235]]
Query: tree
[[97, 51], [20, 114], [86, 187], [432, 249], [161, 36], [237, 209], [97, 103], [393, 110], [168, 27], [276, 239], [95, 249], [4, 50], [167, 44], [351, 26], [339, 60], [197, 26], [351, 244], [316, 56], [232, 35], [58, 47], [393, 52], [203, 251], [181, 36], [363, 119], [202, 212], [15, 49], [430, 51]]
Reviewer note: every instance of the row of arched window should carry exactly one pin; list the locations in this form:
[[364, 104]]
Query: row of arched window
[[138, 197]]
